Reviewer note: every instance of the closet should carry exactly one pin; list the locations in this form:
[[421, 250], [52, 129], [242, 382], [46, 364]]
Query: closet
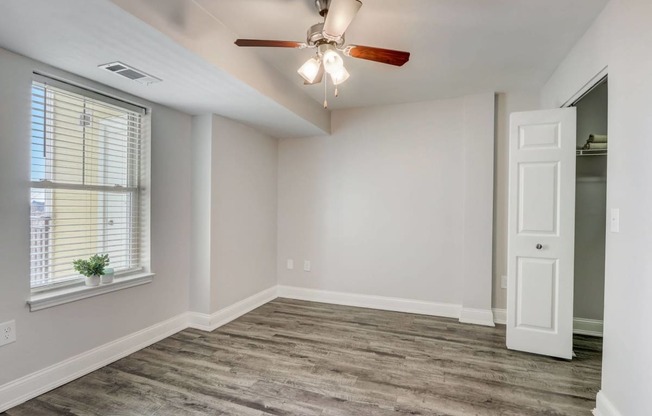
[[590, 209]]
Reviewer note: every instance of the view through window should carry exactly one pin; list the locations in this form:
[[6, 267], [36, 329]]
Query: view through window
[[85, 182]]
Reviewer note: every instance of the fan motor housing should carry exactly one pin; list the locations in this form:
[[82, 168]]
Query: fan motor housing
[[316, 36]]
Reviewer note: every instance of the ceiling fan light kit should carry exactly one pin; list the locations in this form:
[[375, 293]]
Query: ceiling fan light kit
[[332, 60], [328, 38], [310, 70], [340, 76]]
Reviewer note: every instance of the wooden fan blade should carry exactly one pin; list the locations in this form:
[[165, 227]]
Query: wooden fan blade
[[269, 43], [385, 56], [340, 15]]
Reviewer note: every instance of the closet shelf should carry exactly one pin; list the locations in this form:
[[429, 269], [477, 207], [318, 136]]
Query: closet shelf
[[591, 152]]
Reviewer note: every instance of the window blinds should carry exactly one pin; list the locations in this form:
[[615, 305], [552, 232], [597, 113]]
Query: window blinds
[[85, 181]]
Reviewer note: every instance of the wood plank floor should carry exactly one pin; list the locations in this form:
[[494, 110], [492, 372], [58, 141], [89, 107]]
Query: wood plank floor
[[301, 358]]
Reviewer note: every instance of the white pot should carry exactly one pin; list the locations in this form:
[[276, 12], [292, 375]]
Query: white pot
[[93, 280], [106, 278]]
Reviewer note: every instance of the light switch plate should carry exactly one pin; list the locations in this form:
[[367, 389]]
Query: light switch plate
[[7, 332], [306, 265], [503, 282], [290, 264]]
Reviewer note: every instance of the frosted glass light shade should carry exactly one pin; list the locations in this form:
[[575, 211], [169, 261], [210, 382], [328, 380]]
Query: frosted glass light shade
[[340, 76], [332, 61], [310, 70]]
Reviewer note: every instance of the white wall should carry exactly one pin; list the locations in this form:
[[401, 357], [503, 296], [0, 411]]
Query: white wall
[[506, 103], [620, 39], [52, 335], [378, 207], [243, 204], [479, 143], [200, 271], [234, 213]]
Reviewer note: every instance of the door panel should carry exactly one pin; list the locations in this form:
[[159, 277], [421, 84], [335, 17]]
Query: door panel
[[536, 283], [539, 136], [537, 210], [541, 232]]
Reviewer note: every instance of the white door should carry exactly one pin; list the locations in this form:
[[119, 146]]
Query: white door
[[541, 232]]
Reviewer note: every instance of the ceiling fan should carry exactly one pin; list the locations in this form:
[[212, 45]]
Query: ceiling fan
[[328, 39]]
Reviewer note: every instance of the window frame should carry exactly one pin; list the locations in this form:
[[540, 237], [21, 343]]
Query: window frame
[[140, 205]]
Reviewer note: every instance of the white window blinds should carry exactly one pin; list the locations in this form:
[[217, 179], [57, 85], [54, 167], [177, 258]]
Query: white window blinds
[[85, 181]]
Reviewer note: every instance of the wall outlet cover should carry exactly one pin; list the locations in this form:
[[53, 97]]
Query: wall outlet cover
[[290, 264], [7, 332]]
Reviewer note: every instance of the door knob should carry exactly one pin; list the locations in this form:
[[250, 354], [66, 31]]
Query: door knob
[[539, 246]]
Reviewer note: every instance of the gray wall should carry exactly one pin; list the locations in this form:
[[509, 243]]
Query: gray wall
[[590, 209], [506, 103], [234, 212], [243, 205], [380, 207], [619, 40], [49, 336]]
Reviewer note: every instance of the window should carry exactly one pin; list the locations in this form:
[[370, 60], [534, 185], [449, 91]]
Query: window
[[86, 170]]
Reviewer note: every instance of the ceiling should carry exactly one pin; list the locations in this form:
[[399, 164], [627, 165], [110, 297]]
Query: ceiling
[[458, 47], [79, 35]]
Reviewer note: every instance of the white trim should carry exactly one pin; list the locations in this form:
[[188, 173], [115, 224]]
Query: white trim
[[42, 381], [477, 316], [584, 326], [43, 300], [39, 382], [604, 407], [209, 323], [500, 316], [587, 87], [447, 310]]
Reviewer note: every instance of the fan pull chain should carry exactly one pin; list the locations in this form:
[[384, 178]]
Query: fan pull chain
[[325, 92]]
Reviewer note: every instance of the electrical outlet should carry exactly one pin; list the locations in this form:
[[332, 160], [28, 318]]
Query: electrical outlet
[[7, 332], [290, 264], [306, 265], [503, 282]]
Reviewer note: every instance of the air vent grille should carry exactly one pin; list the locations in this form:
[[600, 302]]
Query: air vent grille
[[130, 72]]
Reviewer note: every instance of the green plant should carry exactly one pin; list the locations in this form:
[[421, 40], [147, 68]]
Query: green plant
[[94, 266]]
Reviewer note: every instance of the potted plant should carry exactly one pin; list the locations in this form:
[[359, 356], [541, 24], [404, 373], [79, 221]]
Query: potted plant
[[92, 268], [107, 277]]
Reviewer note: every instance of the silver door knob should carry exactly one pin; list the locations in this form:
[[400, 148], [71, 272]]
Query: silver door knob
[[539, 246]]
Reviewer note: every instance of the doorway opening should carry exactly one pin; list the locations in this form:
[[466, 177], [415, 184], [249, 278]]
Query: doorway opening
[[591, 209]]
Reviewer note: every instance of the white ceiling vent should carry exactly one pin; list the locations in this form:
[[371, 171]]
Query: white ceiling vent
[[130, 72]]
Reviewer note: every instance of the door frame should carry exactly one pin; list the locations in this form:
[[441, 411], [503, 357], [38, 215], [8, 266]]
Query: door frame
[[594, 82], [587, 88]]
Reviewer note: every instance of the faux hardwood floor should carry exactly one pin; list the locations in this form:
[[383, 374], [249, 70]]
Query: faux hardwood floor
[[301, 358]]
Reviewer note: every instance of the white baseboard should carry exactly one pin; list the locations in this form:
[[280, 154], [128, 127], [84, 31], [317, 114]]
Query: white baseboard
[[483, 317], [42, 381], [581, 326], [447, 310], [500, 316], [604, 407], [591, 327], [39, 382], [210, 322]]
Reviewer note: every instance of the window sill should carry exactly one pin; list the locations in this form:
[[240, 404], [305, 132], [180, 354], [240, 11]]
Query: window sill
[[57, 297]]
